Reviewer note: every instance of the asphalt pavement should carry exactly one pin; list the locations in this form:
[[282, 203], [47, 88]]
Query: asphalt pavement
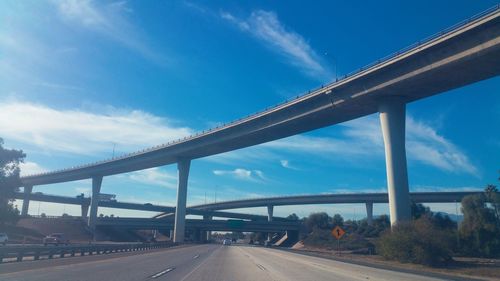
[[199, 262]]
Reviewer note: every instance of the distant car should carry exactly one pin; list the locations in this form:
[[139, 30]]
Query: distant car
[[55, 239], [226, 242], [148, 204], [4, 238]]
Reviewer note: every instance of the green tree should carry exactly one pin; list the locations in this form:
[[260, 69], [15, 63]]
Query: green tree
[[9, 182], [419, 241], [493, 197], [318, 220], [337, 220], [379, 225], [418, 210], [479, 231], [293, 217]]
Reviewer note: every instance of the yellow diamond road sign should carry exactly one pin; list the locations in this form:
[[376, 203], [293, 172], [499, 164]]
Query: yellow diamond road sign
[[338, 232]]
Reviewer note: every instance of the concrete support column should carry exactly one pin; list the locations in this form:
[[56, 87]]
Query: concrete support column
[[208, 233], [94, 201], [180, 210], [270, 209], [85, 210], [392, 119], [369, 213], [26, 200]]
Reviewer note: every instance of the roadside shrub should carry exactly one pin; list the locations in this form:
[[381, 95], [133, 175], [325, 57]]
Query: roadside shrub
[[319, 238], [479, 231], [418, 241]]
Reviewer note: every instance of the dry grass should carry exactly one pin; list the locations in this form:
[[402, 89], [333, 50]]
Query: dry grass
[[487, 269]]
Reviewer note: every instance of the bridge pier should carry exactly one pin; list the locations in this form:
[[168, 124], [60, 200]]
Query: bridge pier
[[94, 201], [369, 213], [270, 210], [208, 234], [180, 210], [26, 200], [392, 119], [85, 210]]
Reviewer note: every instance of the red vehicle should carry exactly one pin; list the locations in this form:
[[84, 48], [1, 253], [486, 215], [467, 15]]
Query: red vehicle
[[56, 239]]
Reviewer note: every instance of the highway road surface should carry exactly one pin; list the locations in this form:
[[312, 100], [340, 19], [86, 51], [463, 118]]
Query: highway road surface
[[199, 262]]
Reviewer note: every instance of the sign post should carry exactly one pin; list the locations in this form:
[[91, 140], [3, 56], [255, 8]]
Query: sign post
[[338, 232]]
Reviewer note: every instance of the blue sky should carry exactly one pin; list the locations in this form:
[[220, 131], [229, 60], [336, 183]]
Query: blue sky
[[81, 79]]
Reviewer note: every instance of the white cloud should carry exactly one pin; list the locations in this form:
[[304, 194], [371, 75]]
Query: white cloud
[[363, 137], [108, 19], [240, 173], [30, 168], [285, 163], [424, 144], [84, 133], [154, 176], [318, 145], [266, 27]]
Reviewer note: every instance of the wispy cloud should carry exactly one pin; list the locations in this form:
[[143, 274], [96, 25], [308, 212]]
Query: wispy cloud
[[85, 133], [424, 144], [29, 168], [363, 138], [266, 27], [240, 173], [155, 177], [109, 19], [286, 164]]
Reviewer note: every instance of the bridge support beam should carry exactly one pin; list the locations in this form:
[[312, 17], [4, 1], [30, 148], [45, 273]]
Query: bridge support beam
[[369, 213], [94, 201], [26, 200], [392, 119], [180, 210]]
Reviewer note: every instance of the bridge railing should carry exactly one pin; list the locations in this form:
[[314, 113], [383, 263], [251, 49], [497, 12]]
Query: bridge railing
[[24, 253]]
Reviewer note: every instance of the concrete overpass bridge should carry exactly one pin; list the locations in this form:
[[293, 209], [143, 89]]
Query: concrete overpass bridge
[[463, 54], [84, 203], [214, 209], [355, 198]]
